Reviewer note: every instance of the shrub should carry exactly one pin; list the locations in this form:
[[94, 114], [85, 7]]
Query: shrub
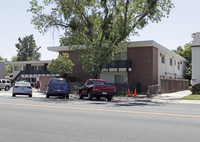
[[195, 89]]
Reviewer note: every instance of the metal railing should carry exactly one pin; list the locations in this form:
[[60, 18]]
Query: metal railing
[[119, 64]]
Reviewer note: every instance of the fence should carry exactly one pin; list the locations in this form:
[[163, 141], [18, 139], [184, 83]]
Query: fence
[[121, 88], [154, 89], [173, 85]]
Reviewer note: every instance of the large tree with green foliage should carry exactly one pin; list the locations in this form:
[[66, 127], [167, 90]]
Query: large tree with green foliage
[[62, 65], [186, 53], [99, 25], [27, 49]]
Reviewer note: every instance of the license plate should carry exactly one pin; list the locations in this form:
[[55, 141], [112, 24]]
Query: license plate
[[59, 90], [104, 93]]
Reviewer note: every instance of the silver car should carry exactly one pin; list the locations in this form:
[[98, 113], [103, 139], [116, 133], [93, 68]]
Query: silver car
[[22, 88]]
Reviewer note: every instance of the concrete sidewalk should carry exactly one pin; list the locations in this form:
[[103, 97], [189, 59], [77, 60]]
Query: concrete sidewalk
[[175, 97]]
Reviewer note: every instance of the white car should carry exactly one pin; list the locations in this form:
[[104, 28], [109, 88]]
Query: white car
[[5, 84], [22, 88]]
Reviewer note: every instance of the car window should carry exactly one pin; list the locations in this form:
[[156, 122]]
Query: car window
[[22, 84], [8, 81], [96, 82], [0, 81], [3, 81], [58, 81]]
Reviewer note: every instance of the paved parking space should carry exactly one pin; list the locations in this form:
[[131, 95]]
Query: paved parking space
[[36, 93]]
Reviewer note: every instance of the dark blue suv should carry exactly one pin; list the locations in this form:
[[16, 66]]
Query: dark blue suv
[[58, 87]]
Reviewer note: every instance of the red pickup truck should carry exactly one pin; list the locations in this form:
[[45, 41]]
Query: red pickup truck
[[97, 88]]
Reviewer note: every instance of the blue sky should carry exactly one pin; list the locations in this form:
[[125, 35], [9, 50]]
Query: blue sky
[[170, 32]]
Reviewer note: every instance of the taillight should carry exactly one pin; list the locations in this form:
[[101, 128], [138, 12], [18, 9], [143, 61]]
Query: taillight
[[29, 87], [94, 88], [16, 86], [114, 89]]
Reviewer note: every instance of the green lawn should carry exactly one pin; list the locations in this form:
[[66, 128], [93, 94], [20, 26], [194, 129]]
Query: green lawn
[[192, 97]]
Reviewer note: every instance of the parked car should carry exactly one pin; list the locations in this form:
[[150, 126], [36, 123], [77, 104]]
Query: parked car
[[97, 88], [22, 88], [58, 87], [37, 84], [5, 84]]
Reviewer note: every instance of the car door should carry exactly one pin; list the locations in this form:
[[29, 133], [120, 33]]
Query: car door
[[84, 88], [1, 84]]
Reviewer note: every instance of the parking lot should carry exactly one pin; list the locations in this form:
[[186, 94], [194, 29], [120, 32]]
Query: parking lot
[[36, 93]]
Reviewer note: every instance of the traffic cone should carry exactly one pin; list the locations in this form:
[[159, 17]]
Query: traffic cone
[[129, 94], [148, 96], [135, 92]]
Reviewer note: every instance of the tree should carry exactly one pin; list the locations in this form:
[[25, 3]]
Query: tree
[[186, 53], [8, 67], [27, 49], [101, 26], [62, 65]]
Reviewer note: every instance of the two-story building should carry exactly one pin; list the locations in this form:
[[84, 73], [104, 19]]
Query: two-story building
[[146, 62], [30, 71]]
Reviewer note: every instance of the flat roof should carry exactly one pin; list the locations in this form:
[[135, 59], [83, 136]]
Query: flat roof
[[146, 43], [29, 62], [196, 40]]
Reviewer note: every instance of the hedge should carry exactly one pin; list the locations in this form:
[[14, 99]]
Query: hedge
[[195, 89]]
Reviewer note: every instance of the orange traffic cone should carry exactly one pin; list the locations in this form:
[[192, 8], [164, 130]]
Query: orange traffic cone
[[129, 94], [148, 96], [135, 92]]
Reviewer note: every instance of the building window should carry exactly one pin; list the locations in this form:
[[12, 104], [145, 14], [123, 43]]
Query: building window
[[34, 68], [40, 68], [120, 56], [16, 68], [24, 68], [120, 78], [33, 79], [178, 66], [174, 62], [162, 58], [170, 61]]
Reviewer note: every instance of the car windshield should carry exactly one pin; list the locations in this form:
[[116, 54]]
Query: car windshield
[[58, 81], [22, 84], [96, 82]]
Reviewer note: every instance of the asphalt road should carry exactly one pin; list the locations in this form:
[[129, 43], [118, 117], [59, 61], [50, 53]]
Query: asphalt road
[[39, 119]]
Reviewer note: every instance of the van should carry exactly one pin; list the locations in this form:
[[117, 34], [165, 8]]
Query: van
[[5, 84]]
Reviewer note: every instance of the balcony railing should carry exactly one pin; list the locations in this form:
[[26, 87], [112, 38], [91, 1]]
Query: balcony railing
[[36, 72], [119, 64]]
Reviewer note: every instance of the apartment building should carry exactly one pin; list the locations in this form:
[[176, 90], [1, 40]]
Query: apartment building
[[30, 71], [146, 62]]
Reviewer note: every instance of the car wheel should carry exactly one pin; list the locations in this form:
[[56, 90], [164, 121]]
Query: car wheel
[[47, 96], [98, 98], [13, 95], [30, 95], [67, 97], [7, 88], [109, 98], [89, 95], [80, 95]]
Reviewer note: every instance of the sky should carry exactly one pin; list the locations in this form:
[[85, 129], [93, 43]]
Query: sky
[[171, 32]]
